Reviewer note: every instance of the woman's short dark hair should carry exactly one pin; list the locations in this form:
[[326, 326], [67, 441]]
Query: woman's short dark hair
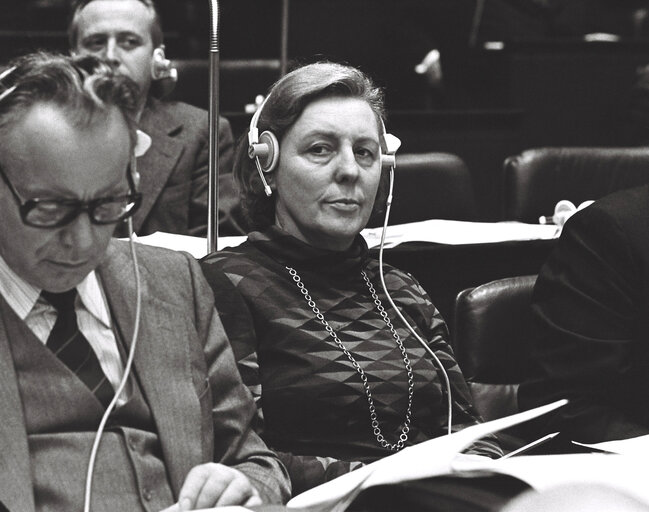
[[286, 101]]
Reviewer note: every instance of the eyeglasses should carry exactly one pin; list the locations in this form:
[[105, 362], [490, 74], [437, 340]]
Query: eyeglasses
[[53, 213]]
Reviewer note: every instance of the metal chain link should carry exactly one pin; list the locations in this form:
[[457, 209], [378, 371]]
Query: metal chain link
[[376, 429]]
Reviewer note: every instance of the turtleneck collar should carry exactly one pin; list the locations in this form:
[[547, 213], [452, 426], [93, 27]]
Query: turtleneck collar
[[288, 250]]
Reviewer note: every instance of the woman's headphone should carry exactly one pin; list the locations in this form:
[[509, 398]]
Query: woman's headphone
[[264, 148]]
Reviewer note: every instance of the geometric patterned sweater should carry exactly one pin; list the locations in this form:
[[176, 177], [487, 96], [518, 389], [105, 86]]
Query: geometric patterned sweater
[[313, 410]]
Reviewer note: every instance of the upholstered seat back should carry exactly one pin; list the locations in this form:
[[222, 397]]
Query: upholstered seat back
[[492, 333], [536, 179], [431, 186]]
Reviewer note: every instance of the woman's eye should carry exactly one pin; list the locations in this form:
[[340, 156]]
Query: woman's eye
[[365, 153], [319, 149]]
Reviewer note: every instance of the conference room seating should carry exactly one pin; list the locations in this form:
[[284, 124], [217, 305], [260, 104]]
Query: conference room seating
[[240, 81], [492, 340], [536, 179], [431, 185]]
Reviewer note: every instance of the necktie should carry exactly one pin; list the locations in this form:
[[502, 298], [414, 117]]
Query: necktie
[[70, 345]]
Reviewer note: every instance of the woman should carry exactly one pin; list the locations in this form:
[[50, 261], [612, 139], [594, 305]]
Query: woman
[[339, 382]]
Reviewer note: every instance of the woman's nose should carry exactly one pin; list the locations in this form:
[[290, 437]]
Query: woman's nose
[[347, 166]]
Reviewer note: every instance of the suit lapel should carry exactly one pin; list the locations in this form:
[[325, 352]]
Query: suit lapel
[[160, 160], [15, 474], [161, 362]]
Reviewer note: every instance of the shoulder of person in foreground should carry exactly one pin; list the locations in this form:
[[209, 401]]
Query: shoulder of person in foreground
[[589, 303]]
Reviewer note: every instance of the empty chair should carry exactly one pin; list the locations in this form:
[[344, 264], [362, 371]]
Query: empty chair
[[492, 339], [431, 186], [536, 179]]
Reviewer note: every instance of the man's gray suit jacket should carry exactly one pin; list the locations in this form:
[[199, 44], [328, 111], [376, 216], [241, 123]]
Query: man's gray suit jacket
[[187, 371]]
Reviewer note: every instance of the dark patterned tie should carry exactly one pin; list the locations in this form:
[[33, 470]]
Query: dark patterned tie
[[72, 348]]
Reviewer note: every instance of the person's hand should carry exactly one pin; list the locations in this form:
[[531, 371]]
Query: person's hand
[[215, 485]]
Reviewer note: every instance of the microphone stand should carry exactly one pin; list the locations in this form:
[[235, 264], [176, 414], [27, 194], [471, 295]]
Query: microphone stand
[[213, 162], [284, 38]]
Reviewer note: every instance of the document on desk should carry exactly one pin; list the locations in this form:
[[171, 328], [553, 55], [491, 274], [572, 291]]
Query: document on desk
[[440, 231], [194, 245], [456, 232], [627, 473], [428, 459], [638, 446]]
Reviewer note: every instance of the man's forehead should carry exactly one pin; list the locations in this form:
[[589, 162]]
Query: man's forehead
[[116, 15]]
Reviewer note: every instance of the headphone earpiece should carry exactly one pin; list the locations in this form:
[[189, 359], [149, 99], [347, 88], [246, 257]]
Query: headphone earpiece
[[262, 147], [161, 66], [133, 174], [388, 162], [389, 146], [142, 145], [266, 151]]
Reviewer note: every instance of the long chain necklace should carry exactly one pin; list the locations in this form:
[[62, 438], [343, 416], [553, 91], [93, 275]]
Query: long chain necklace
[[403, 437]]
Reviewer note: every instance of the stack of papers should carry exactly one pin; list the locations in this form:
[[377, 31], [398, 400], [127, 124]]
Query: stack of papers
[[431, 458], [625, 469]]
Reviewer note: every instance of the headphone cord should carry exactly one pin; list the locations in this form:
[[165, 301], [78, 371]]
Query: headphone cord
[[127, 370], [401, 317]]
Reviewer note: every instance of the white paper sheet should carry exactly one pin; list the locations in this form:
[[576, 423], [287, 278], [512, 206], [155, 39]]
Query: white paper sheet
[[456, 232], [405, 465], [637, 446], [196, 246], [452, 232], [624, 472]]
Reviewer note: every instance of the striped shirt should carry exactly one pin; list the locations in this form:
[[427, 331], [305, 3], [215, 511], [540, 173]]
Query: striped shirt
[[92, 316]]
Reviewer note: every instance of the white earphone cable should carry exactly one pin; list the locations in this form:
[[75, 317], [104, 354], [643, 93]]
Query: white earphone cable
[[127, 371], [401, 317]]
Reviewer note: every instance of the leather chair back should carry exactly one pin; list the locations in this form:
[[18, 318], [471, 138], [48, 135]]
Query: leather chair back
[[536, 179], [492, 339], [431, 186], [240, 82]]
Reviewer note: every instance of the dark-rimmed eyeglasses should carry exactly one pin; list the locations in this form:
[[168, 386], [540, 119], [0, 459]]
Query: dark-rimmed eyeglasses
[[54, 213]]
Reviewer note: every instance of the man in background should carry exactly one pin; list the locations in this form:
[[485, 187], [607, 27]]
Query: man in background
[[174, 173]]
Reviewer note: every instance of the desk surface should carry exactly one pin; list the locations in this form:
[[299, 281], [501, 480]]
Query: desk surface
[[445, 270]]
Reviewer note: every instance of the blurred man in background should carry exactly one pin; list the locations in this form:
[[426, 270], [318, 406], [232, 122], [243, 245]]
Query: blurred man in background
[[174, 174]]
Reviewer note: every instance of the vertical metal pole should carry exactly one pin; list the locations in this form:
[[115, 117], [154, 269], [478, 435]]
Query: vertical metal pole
[[475, 23], [213, 166], [284, 40]]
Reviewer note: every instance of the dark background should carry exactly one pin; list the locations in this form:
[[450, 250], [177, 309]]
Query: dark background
[[543, 84]]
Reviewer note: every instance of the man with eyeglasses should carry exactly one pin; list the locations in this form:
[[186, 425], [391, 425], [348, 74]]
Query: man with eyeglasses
[[178, 433], [127, 34]]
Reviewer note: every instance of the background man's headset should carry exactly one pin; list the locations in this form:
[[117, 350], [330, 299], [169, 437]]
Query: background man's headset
[[264, 150], [161, 66]]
